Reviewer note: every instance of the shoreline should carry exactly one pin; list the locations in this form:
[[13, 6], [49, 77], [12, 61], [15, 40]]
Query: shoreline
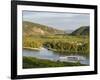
[[65, 51], [33, 62], [30, 48], [55, 50]]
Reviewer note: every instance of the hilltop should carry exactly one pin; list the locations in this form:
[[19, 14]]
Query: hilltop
[[30, 28], [84, 30]]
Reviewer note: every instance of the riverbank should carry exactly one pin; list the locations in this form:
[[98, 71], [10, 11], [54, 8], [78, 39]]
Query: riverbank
[[64, 52], [32, 62], [30, 48], [69, 52]]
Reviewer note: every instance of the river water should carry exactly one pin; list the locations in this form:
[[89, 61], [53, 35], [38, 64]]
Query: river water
[[50, 55]]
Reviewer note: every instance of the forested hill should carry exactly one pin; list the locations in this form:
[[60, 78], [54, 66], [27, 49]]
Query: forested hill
[[81, 31], [30, 28]]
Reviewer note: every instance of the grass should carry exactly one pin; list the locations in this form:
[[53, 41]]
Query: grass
[[31, 62]]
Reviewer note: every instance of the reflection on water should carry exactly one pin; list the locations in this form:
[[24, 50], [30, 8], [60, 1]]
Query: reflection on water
[[54, 56]]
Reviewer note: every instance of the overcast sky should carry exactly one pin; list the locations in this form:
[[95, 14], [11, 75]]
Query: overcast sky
[[63, 21]]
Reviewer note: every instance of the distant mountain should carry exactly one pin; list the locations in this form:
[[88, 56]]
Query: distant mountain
[[84, 30], [69, 31], [30, 28]]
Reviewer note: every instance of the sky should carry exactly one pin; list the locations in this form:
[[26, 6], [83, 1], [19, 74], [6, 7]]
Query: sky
[[58, 20]]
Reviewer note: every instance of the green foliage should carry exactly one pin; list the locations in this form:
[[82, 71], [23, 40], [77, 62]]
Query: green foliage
[[31, 62], [63, 44], [81, 31], [28, 42]]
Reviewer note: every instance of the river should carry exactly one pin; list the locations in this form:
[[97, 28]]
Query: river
[[50, 55]]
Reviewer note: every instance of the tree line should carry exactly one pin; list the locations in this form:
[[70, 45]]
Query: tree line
[[58, 45], [68, 47], [32, 43]]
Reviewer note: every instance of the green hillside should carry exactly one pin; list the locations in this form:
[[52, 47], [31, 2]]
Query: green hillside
[[84, 30], [30, 28]]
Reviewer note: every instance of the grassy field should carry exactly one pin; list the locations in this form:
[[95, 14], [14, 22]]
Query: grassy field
[[31, 62]]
